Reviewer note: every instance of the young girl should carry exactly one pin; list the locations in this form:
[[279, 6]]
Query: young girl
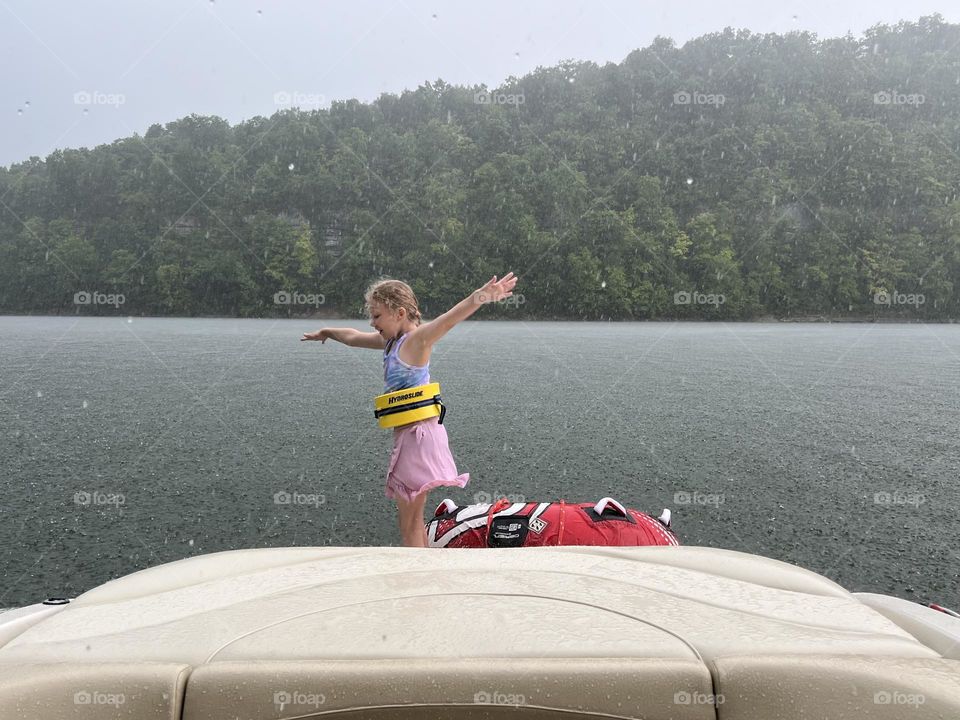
[[421, 458]]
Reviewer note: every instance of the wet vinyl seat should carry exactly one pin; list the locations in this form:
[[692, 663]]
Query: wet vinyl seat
[[575, 631], [93, 691], [779, 687], [449, 688]]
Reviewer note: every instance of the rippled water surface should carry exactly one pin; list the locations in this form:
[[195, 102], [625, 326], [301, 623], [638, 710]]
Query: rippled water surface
[[131, 442]]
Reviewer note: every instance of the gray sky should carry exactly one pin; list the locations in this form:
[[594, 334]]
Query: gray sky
[[134, 63]]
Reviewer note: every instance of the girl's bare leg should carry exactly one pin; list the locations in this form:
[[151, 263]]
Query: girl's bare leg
[[423, 501], [411, 521]]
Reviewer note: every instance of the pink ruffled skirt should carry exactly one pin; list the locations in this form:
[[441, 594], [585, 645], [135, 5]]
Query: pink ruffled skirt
[[421, 460]]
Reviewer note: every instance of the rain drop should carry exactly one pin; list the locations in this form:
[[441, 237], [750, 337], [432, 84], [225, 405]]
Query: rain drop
[[19, 111], [259, 12], [190, 542], [129, 319], [39, 394], [603, 284], [689, 181], [85, 404], [516, 55], [290, 166], [86, 112], [430, 264], [434, 16], [26, 103]]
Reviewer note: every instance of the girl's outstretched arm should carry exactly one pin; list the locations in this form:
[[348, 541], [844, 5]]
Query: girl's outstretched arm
[[348, 336], [427, 334]]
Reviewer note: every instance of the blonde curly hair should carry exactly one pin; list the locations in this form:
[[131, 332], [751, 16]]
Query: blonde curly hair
[[394, 294]]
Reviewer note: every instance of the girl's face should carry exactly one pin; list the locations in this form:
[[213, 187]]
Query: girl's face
[[385, 321]]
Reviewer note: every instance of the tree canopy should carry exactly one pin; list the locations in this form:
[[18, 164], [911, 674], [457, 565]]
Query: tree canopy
[[738, 176]]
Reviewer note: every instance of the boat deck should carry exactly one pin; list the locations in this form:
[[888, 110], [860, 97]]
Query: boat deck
[[639, 632]]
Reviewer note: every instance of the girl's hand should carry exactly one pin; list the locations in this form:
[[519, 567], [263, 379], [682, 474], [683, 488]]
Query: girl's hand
[[496, 290], [321, 335]]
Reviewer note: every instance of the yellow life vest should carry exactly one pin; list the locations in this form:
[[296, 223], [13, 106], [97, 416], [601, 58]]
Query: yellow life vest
[[409, 405]]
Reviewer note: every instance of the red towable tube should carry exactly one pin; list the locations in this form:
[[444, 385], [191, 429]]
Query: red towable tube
[[530, 524]]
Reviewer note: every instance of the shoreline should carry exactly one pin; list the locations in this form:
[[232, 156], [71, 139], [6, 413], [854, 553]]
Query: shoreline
[[799, 319]]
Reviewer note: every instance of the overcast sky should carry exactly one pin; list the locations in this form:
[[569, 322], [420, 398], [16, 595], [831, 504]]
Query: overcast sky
[[80, 73]]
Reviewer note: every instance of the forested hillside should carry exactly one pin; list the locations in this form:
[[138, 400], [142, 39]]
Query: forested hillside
[[736, 177]]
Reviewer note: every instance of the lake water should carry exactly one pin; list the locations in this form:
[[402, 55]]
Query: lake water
[[132, 442]]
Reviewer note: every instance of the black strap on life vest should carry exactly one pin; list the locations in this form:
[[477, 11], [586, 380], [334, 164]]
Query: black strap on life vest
[[435, 400]]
